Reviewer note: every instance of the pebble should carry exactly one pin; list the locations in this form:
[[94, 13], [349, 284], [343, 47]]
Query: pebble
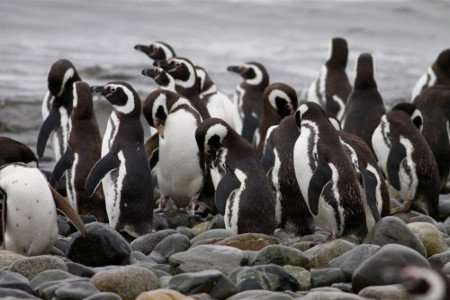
[[430, 236], [8, 293], [217, 222], [266, 277], [79, 270], [104, 296], [162, 294], [11, 280], [260, 295], [186, 231], [49, 275], [212, 234], [281, 255], [172, 244], [75, 291], [147, 242], [8, 257], [31, 266], [440, 259], [302, 276], [326, 277], [387, 292], [249, 241], [331, 295], [351, 260], [321, 254]]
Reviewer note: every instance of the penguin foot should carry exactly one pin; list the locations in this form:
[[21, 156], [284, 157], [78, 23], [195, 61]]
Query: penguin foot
[[406, 207], [163, 201], [191, 208]]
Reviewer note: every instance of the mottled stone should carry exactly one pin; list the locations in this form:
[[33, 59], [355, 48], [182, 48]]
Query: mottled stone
[[351, 260], [302, 276], [162, 294], [49, 275], [199, 228], [147, 242], [326, 277], [321, 254], [249, 241], [217, 222], [104, 296], [266, 277], [11, 280], [31, 266], [384, 292], [430, 236], [210, 234], [8, 257], [281, 255]]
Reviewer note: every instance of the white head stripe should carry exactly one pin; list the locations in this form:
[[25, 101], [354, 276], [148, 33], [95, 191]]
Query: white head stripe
[[75, 95], [278, 93], [216, 129], [161, 100], [129, 105], [302, 109], [258, 75], [181, 101], [190, 82], [67, 75], [167, 52]]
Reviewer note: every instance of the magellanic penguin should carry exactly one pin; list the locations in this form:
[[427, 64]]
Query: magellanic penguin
[[243, 193], [180, 173], [332, 88], [406, 158], [57, 107], [83, 151], [157, 50], [279, 101], [29, 206], [434, 104], [277, 161], [124, 168], [14, 151], [423, 283], [248, 96], [365, 105], [325, 175], [437, 74]]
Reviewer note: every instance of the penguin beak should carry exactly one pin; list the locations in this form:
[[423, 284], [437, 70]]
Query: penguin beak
[[143, 49], [237, 69], [98, 90], [52, 122], [150, 72], [159, 124], [164, 65]]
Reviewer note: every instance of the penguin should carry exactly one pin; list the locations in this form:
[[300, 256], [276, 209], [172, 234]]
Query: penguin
[[243, 193], [57, 106], [434, 104], [180, 173], [423, 283], [157, 50], [127, 183], [406, 158], [29, 206], [248, 96], [83, 151], [15, 151], [332, 88], [279, 101], [437, 74], [365, 105], [325, 175], [277, 162]]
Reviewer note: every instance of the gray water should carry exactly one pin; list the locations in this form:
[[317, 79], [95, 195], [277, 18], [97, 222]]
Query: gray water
[[289, 37]]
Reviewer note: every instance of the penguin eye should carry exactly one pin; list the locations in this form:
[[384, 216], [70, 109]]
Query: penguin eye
[[113, 89]]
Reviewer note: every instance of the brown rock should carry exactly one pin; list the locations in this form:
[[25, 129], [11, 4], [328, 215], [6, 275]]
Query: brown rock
[[163, 294]]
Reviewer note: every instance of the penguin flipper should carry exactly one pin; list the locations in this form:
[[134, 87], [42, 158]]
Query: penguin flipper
[[52, 122], [105, 165], [395, 158], [321, 176], [370, 185], [227, 185], [64, 163], [63, 205], [250, 124]]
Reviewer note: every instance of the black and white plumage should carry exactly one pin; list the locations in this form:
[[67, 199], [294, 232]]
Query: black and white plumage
[[14, 151], [365, 105], [83, 151], [325, 175], [434, 104], [243, 193], [423, 283], [248, 96], [437, 74], [157, 50], [124, 169], [332, 88], [406, 158]]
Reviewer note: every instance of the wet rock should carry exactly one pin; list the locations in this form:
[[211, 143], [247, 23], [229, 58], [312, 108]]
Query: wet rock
[[101, 246], [326, 277], [321, 254], [302, 276], [351, 260], [128, 282], [430, 236], [388, 292], [146, 243], [260, 295], [281, 255], [31, 266], [11, 280], [266, 277], [170, 245], [392, 230]]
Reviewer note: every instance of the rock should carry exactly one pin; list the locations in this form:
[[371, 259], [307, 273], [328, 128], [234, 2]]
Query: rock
[[49, 275], [316, 237], [388, 292], [343, 286], [426, 219], [48, 289], [162, 294], [101, 246], [260, 295], [175, 218], [79, 270], [351, 260], [284, 234], [212, 234], [392, 230], [331, 295], [62, 243], [31, 266], [139, 258], [383, 267], [199, 228], [212, 282], [11, 280], [302, 276], [172, 244], [266, 277], [444, 205], [104, 296], [249, 241], [217, 222], [8, 257], [128, 282], [326, 277], [430, 236], [8, 293], [207, 257], [446, 269], [281, 255], [64, 227], [440, 259], [320, 255], [186, 231], [303, 245], [159, 223], [75, 291], [147, 242]]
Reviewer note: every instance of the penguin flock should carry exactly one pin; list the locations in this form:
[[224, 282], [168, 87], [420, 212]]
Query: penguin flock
[[264, 159]]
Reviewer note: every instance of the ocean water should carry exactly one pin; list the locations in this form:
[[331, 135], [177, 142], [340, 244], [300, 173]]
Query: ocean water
[[289, 37]]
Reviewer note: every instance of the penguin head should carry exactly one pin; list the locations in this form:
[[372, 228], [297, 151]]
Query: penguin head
[[333, 120], [425, 283], [308, 110], [204, 79], [443, 62], [365, 72], [253, 73], [282, 98], [15, 151], [413, 112], [122, 96], [157, 50], [82, 101], [181, 69], [161, 77], [61, 76], [210, 136], [338, 53]]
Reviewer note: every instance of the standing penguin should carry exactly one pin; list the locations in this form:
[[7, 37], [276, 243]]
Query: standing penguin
[[57, 107], [180, 173], [157, 50], [437, 74], [248, 96], [29, 206], [332, 88], [365, 105], [325, 175], [124, 168], [434, 104], [406, 158], [83, 151], [243, 194], [14, 151]]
